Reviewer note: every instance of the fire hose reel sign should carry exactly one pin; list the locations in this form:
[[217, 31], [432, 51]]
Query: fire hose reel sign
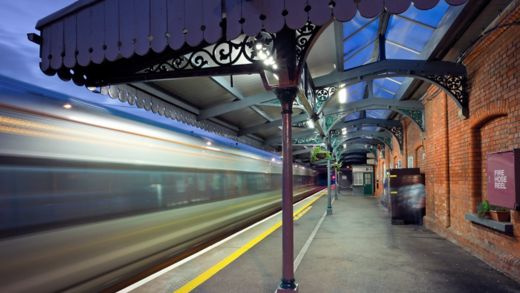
[[503, 179]]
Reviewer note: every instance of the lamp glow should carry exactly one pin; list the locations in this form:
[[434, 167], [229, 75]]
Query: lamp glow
[[342, 96], [310, 123], [344, 131]]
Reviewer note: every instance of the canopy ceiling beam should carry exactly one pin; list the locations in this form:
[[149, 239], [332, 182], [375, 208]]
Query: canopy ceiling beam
[[384, 137], [274, 123], [368, 121], [449, 76], [276, 139], [412, 109], [237, 94], [301, 152], [242, 102], [394, 127], [354, 151]]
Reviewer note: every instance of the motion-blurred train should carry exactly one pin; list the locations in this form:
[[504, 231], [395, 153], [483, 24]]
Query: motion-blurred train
[[89, 197]]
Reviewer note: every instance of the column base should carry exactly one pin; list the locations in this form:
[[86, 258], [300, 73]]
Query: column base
[[287, 290]]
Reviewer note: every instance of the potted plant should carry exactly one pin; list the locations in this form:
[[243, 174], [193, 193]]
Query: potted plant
[[483, 209], [337, 166], [319, 153], [499, 214]]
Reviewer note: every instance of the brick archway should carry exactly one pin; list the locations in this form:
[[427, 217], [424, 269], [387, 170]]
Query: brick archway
[[479, 120]]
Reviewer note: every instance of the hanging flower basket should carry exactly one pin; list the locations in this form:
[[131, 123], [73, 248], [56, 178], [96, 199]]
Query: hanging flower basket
[[319, 153]]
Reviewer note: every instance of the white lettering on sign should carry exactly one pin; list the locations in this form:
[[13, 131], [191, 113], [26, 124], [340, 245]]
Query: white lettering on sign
[[500, 179]]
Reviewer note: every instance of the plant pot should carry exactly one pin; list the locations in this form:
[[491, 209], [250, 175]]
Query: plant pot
[[321, 156], [500, 216]]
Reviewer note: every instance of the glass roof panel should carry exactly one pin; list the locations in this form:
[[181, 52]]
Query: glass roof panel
[[430, 17], [360, 39], [356, 91], [396, 51], [352, 116], [370, 128], [380, 92], [354, 25], [360, 58], [408, 34], [389, 84], [378, 114], [411, 35]]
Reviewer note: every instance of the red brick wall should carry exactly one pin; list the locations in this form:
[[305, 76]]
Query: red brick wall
[[455, 149]]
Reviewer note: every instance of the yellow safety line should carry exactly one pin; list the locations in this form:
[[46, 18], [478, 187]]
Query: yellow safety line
[[197, 281]]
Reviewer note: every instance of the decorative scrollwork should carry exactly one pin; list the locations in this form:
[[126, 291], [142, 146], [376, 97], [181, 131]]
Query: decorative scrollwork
[[323, 95], [225, 53], [397, 131], [301, 124], [303, 39], [456, 86], [308, 140], [331, 119], [415, 115]]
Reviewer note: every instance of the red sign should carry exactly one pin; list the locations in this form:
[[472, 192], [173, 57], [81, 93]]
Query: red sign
[[503, 179]]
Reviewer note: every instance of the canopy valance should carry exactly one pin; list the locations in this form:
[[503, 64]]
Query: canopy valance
[[94, 31]]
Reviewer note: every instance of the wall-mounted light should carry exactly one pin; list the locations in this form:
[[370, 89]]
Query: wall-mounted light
[[67, 106], [208, 143], [342, 96]]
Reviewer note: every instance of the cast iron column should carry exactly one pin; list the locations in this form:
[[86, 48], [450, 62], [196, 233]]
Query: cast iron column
[[288, 284], [329, 194], [336, 184]]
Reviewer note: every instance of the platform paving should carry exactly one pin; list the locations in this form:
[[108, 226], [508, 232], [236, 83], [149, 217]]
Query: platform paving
[[357, 250]]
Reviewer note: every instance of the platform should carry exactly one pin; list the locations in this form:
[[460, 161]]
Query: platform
[[354, 250]]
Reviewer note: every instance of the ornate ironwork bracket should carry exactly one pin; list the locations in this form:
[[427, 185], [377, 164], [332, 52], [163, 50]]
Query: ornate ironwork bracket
[[449, 76], [224, 53], [416, 115], [322, 96], [412, 109], [456, 86], [246, 54], [339, 139], [312, 140], [397, 131], [393, 127], [305, 36]]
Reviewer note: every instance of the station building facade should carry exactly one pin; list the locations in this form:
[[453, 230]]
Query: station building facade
[[452, 151]]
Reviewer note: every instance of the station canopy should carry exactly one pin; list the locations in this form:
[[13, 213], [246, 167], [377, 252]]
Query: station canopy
[[363, 65]]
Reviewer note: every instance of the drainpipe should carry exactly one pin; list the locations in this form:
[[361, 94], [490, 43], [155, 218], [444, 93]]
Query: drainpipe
[[447, 173]]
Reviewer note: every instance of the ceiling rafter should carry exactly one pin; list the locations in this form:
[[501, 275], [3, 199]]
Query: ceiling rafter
[[237, 94]]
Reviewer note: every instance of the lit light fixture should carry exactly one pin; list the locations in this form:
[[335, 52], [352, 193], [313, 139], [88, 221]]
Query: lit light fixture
[[342, 96], [269, 61], [310, 123], [275, 66], [67, 106], [344, 131], [273, 159], [208, 143], [258, 46], [262, 55], [341, 85], [344, 145], [94, 89], [275, 76]]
